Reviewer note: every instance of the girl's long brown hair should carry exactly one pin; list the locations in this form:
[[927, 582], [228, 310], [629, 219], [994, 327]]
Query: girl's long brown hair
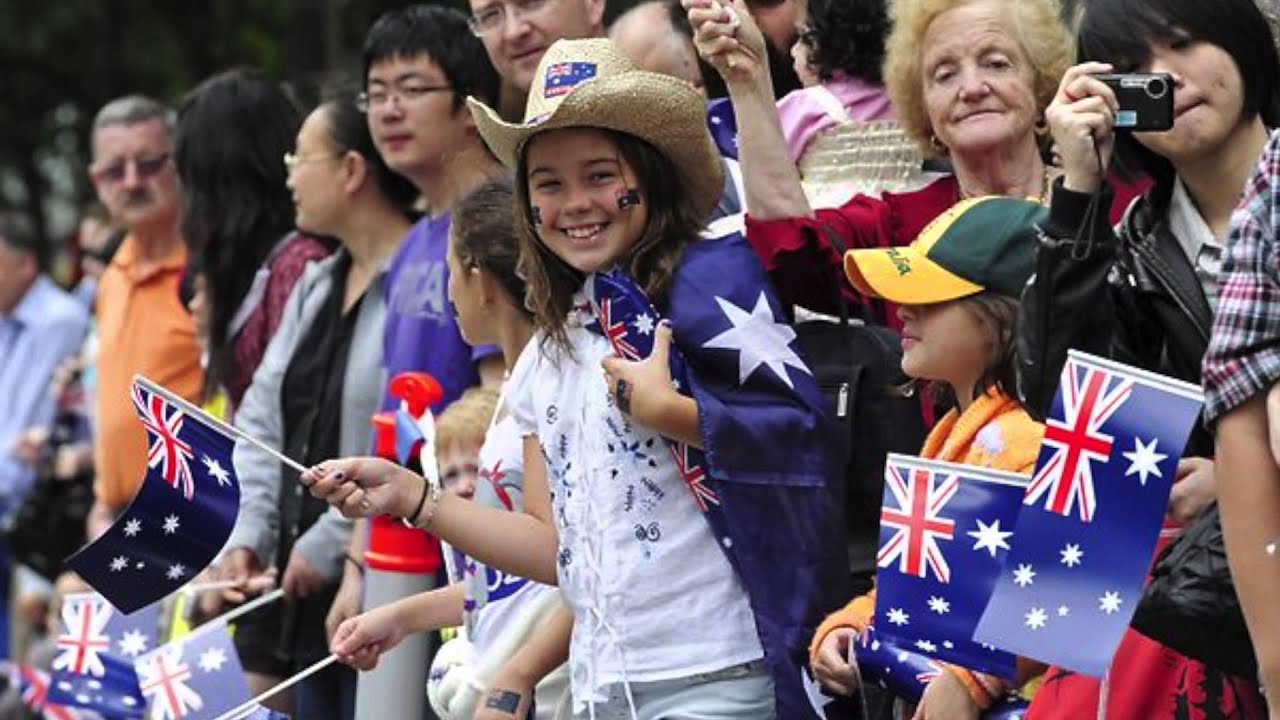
[[673, 222]]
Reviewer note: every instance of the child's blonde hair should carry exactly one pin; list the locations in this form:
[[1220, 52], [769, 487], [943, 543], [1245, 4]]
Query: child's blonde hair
[[466, 420]]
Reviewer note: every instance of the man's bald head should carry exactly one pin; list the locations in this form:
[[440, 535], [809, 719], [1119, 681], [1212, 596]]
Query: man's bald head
[[648, 37]]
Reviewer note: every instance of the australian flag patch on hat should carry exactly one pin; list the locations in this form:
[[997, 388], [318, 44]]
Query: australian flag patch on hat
[[564, 77]]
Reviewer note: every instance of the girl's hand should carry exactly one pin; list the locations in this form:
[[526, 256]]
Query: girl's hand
[[361, 640], [728, 38], [1194, 489], [364, 487], [642, 389], [946, 698], [833, 667], [1082, 115]]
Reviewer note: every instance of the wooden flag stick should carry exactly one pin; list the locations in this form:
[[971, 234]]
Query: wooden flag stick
[[217, 424], [252, 704]]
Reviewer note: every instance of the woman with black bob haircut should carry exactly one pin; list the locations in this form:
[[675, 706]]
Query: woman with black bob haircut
[[237, 217], [1144, 292], [846, 36]]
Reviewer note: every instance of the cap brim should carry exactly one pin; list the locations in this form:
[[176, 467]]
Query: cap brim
[[905, 276]]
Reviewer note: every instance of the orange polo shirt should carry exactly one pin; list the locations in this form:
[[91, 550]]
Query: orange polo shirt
[[143, 328]]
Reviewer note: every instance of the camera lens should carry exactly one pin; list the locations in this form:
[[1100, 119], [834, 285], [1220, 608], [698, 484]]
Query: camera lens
[[1156, 88]]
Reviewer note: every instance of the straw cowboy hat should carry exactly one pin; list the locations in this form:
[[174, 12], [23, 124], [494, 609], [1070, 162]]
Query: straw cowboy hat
[[588, 83]]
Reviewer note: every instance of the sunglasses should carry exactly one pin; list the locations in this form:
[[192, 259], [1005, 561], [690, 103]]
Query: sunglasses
[[146, 167]]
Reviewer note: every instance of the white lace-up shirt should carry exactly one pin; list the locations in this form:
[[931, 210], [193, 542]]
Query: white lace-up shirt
[[653, 596]]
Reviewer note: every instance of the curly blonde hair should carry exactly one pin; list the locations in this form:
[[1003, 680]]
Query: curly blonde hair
[[1035, 24], [466, 421]]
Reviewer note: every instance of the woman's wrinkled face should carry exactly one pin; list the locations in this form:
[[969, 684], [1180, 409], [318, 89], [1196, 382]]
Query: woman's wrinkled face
[[979, 84]]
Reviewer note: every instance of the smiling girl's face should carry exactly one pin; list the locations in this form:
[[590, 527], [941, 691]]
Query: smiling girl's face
[[577, 179]]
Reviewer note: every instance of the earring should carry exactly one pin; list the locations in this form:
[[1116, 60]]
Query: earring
[[936, 145]]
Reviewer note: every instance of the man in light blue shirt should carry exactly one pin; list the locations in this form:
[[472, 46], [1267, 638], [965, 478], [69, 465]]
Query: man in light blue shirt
[[40, 327]]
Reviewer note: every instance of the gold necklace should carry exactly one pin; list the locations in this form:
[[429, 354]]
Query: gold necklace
[[1043, 198]]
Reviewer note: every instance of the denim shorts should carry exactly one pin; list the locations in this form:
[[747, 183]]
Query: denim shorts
[[733, 693]]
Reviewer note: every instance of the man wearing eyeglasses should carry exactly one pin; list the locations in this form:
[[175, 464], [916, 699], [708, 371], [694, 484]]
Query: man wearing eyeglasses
[[516, 33], [142, 323]]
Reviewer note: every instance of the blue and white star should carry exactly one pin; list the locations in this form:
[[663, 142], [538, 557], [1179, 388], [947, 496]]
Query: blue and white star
[[989, 537], [1143, 460], [1063, 611], [644, 324], [133, 643], [926, 646], [1036, 618], [119, 563], [759, 339], [212, 660], [1110, 602], [939, 605], [1024, 575], [1071, 554], [171, 524], [132, 527], [897, 616], [216, 471], [176, 571]]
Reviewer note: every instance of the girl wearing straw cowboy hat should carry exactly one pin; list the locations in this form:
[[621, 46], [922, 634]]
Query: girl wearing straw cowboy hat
[[675, 616]]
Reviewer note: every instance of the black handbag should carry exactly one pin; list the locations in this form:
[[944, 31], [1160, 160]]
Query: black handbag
[[1191, 605], [49, 526], [859, 370]]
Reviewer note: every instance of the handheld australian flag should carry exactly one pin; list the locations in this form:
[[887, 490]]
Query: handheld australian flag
[[906, 674], [181, 515], [762, 476], [197, 677], [944, 532], [32, 685], [93, 665], [1091, 515]]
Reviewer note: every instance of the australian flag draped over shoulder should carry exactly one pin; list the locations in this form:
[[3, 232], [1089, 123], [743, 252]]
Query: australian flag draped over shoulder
[[182, 514], [197, 677], [763, 479], [884, 662], [1091, 515], [93, 666], [944, 531]]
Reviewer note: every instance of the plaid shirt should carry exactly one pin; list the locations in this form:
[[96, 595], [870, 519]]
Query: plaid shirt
[[1244, 351]]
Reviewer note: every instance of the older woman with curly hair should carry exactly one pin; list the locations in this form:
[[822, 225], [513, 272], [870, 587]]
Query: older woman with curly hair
[[969, 81]]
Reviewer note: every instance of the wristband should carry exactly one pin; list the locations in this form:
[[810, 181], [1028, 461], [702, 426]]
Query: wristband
[[416, 520]]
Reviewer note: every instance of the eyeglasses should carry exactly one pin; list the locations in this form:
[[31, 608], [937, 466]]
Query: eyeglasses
[[145, 167], [494, 17], [291, 161], [403, 95]]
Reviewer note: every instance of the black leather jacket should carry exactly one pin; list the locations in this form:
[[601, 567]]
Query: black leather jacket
[[1131, 296]]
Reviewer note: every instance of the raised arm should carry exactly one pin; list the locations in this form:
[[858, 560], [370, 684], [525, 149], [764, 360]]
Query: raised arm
[[728, 39]]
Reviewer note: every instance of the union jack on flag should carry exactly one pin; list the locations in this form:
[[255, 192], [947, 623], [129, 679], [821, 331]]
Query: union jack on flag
[[93, 666], [182, 514], [616, 331], [1091, 516], [197, 677], [916, 522], [164, 678], [167, 451], [84, 637], [1090, 396], [695, 476]]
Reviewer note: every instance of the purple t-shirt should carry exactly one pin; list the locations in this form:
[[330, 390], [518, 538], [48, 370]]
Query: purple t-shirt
[[422, 333]]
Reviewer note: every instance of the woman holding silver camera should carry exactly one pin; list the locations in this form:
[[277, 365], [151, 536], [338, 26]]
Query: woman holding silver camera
[[1144, 291]]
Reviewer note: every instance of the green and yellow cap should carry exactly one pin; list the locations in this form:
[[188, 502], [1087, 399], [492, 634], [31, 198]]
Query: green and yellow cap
[[986, 243]]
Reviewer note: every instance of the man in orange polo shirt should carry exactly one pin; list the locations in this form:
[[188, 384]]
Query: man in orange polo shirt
[[143, 326]]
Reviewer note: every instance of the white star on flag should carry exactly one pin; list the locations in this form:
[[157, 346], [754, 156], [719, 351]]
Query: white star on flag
[[759, 339], [1024, 575], [926, 646], [176, 571], [1110, 602], [133, 527], [133, 643], [1071, 555], [939, 605], [1144, 460], [948, 644], [171, 524], [989, 537], [212, 660], [119, 563], [644, 324], [902, 656], [1036, 618], [897, 616], [216, 471], [1063, 611]]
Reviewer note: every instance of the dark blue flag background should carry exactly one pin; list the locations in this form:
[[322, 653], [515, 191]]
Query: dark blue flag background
[[944, 531], [1092, 514], [183, 512]]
